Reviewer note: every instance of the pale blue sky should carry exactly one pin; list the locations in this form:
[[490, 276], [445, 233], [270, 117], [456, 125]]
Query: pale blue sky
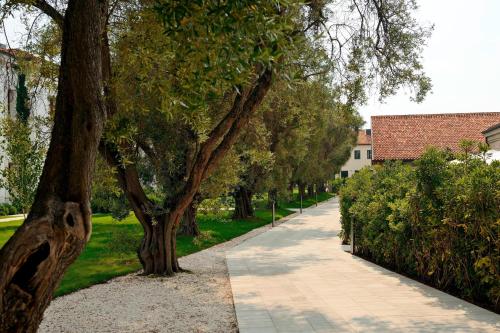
[[462, 58]]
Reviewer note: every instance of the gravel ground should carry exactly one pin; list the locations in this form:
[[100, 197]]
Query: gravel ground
[[200, 301]]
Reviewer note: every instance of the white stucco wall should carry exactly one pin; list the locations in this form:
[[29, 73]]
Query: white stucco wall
[[352, 165], [39, 99], [493, 139]]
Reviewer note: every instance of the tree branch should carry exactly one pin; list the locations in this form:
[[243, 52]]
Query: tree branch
[[223, 137], [128, 180], [253, 101], [50, 11]]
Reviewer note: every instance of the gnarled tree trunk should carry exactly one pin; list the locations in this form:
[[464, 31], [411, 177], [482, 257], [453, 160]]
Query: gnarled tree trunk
[[302, 190], [291, 187], [272, 197], [220, 140], [157, 252], [158, 249], [189, 227], [243, 203], [58, 226], [310, 191]]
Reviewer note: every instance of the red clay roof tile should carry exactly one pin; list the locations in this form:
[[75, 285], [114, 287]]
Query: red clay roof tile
[[405, 137], [363, 138]]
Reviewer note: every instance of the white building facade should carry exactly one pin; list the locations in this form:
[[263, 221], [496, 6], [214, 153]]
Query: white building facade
[[40, 99], [492, 136], [361, 155]]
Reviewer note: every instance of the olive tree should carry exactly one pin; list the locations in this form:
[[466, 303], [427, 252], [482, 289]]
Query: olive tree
[[191, 100], [58, 226]]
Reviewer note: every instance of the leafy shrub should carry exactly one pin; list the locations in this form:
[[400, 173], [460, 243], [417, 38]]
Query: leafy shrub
[[217, 207], [4, 210], [203, 237], [8, 209], [123, 242], [12, 210], [436, 220], [337, 184]]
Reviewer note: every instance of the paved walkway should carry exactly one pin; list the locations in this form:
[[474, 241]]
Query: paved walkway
[[296, 278], [11, 218]]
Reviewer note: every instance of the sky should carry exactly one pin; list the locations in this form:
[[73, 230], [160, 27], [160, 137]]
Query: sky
[[462, 58]]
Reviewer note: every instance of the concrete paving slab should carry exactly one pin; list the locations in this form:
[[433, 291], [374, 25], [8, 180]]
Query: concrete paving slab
[[297, 278]]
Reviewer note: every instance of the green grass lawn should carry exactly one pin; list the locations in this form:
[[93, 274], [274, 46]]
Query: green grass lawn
[[111, 250], [307, 202], [261, 201]]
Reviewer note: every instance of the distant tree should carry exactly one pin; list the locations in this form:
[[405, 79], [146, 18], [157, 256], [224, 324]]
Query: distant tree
[[22, 99], [218, 184], [24, 153], [107, 196], [257, 163]]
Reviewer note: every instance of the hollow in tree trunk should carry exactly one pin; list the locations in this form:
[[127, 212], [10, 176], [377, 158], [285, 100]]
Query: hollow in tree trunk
[[243, 203], [189, 226], [58, 225]]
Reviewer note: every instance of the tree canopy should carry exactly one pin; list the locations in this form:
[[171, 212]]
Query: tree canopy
[[173, 85]]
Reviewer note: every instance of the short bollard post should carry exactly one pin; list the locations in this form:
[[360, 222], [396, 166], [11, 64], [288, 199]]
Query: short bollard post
[[300, 202], [352, 237], [274, 215]]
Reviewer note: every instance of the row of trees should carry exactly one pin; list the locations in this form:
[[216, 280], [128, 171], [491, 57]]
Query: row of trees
[[163, 90], [309, 133]]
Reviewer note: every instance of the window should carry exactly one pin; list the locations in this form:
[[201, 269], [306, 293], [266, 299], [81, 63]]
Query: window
[[369, 154], [344, 174], [357, 154]]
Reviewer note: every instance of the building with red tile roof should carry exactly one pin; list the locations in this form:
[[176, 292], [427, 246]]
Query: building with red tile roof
[[361, 155], [364, 137], [492, 136], [405, 137], [40, 98]]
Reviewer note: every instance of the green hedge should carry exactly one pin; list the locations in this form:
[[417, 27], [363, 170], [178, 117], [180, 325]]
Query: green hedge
[[337, 184], [8, 209], [436, 220]]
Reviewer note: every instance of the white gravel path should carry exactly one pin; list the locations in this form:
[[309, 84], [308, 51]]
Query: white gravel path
[[200, 301]]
